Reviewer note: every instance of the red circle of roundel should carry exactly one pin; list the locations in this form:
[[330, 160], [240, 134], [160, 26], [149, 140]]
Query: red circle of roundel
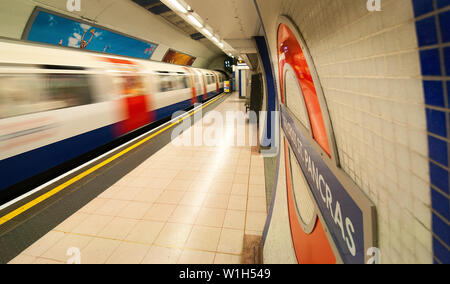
[[313, 247], [290, 51]]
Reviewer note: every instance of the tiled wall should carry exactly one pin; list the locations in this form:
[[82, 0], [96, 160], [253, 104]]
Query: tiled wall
[[432, 19], [370, 70]]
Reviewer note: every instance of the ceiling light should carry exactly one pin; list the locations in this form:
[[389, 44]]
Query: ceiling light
[[207, 32], [215, 39], [194, 21], [178, 6], [221, 45]]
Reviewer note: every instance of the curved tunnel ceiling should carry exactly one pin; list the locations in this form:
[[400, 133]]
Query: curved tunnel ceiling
[[158, 8], [115, 15]]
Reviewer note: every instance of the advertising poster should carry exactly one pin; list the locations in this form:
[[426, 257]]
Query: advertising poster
[[175, 57], [57, 30]]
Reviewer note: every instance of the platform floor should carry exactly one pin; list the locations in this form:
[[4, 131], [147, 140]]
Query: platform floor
[[183, 205]]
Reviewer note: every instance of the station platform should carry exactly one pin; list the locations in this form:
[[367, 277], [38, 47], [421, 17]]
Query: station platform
[[183, 204]]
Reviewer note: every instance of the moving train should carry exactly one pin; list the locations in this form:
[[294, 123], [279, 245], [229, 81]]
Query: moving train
[[57, 104]]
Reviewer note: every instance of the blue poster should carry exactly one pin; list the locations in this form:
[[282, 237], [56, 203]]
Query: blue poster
[[56, 30]]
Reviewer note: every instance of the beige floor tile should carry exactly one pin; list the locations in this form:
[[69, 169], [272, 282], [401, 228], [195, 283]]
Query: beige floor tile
[[93, 206], [257, 204], [44, 243], [219, 201], [204, 238], [126, 180], [184, 214], [228, 168], [256, 221], [110, 192], [196, 257], [253, 233], [187, 175], [257, 179], [170, 197], [148, 195], [221, 187], [174, 235], [205, 175], [23, 259], [160, 173], [92, 225], [231, 241], [200, 186], [73, 221], [111, 207], [162, 255], [98, 251], [135, 210], [59, 250], [145, 232], [211, 217], [160, 212], [241, 178], [257, 171], [227, 259], [224, 177], [242, 170], [118, 228], [237, 203], [257, 191], [179, 185], [193, 199], [158, 183], [139, 182], [128, 253], [128, 193], [234, 220], [244, 163], [40, 260], [239, 189]]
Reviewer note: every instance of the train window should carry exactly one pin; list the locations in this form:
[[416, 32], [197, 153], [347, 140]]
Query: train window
[[28, 93], [69, 90], [185, 82], [167, 83], [132, 86]]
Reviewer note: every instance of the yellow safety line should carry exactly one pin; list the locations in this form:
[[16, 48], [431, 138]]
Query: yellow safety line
[[54, 191]]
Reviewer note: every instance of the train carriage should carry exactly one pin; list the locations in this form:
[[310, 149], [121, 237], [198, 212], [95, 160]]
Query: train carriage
[[57, 104]]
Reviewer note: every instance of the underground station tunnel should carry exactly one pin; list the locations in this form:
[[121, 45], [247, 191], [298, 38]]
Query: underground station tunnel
[[252, 132]]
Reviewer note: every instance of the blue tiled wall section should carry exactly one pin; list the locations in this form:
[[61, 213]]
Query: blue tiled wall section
[[433, 34]]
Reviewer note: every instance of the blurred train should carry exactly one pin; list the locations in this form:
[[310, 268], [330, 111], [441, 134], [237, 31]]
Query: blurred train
[[57, 104]]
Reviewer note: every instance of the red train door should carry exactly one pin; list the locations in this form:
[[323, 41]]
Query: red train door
[[217, 83], [193, 88], [205, 88], [135, 103]]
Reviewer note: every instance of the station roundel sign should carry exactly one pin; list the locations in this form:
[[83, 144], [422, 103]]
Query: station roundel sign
[[329, 218]]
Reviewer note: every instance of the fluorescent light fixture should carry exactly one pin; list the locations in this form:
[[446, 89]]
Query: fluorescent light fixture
[[178, 6], [207, 32], [194, 21], [215, 39], [221, 45]]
